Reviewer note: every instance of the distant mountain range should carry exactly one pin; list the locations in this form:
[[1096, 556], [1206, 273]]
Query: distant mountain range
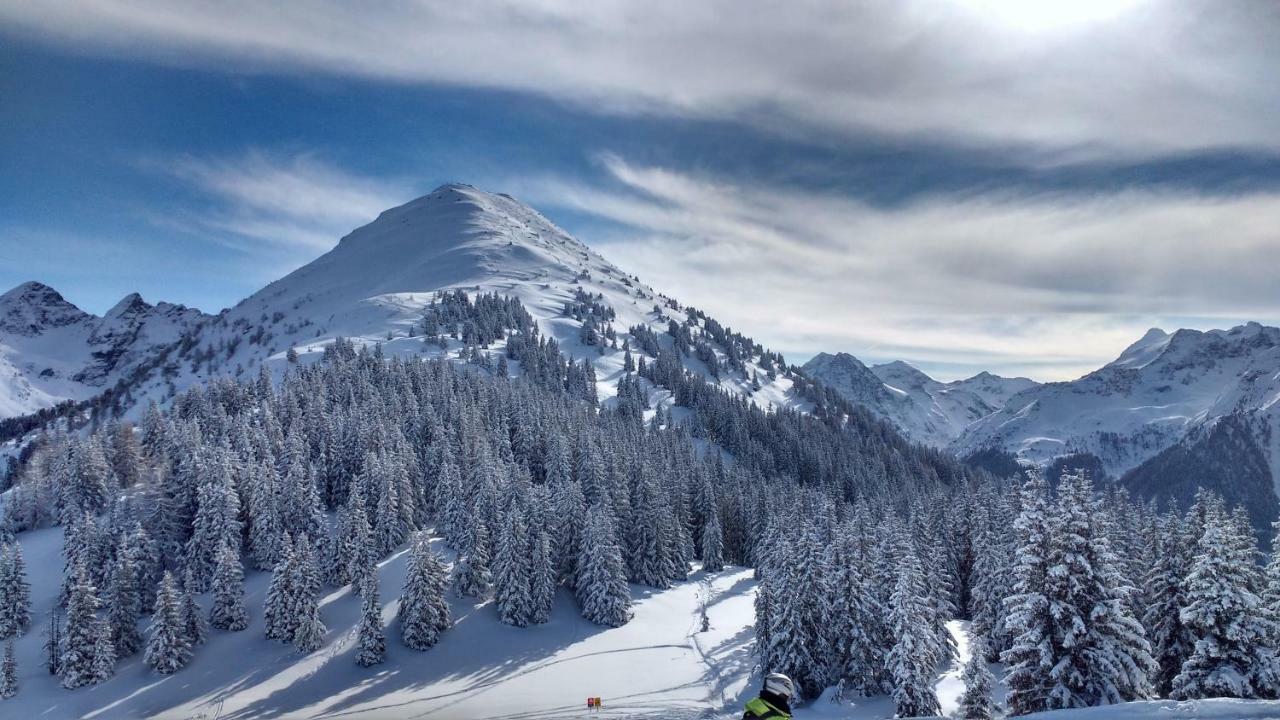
[[1175, 411]]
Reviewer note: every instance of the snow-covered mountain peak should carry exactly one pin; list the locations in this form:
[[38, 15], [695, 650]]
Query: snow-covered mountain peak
[[33, 307], [924, 409], [130, 305]]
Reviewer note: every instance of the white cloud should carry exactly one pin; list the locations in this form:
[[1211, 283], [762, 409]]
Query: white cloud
[[1050, 286], [1140, 77], [295, 203]]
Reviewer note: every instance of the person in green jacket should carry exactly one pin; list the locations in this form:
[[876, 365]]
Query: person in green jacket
[[774, 700]]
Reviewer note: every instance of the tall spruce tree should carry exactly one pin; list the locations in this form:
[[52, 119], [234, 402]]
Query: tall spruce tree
[[168, 649], [912, 661], [228, 611], [1172, 642], [80, 633], [1100, 655], [8, 672], [976, 702], [371, 637], [601, 584], [424, 613], [1233, 655], [513, 572], [1030, 657], [124, 599], [15, 591]]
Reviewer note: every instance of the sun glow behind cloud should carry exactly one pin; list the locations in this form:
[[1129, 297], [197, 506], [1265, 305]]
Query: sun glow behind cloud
[[1048, 16]]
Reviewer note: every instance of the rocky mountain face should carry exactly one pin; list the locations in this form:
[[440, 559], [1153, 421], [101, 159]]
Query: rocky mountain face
[[51, 350], [924, 409]]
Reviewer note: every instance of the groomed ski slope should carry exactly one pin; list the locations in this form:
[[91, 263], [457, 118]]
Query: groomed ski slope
[[661, 665]]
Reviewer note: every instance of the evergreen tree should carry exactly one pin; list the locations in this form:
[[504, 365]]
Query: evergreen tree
[[305, 585], [543, 583], [80, 632], [193, 622], [796, 624], [15, 592], [1171, 641], [124, 600], [372, 638], [53, 643], [168, 649], [424, 614], [1100, 655], [712, 545], [228, 611], [601, 585], [911, 661], [1233, 656], [852, 615], [279, 619], [976, 702], [8, 672], [104, 654], [1030, 658], [513, 572], [471, 577]]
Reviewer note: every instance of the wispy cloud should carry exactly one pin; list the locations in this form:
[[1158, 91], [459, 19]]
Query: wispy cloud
[[294, 203], [1049, 285], [1135, 77]]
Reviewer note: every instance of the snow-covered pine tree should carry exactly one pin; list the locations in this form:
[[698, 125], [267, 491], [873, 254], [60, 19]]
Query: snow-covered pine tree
[[1171, 641], [1030, 657], [168, 650], [602, 578], [193, 623], [309, 633], [15, 591], [278, 610], [265, 526], [8, 672], [124, 600], [471, 576], [424, 613], [711, 549], [80, 633], [104, 654], [852, 613], [52, 647], [976, 702], [217, 521], [1100, 655], [1233, 655], [371, 636], [542, 586], [228, 611], [796, 623], [512, 571], [911, 661]]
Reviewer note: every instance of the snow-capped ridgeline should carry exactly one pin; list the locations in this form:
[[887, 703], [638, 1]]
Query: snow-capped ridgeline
[[373, 288], [1160, 390], [51, 350], [924, 409]]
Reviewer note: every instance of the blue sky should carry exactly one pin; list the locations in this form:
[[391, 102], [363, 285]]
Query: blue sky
[[964, 185]]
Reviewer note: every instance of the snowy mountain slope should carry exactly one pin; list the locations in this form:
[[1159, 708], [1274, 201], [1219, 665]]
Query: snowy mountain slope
[[373, 287], [924, 409], [51, 350], [1159, 391]]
